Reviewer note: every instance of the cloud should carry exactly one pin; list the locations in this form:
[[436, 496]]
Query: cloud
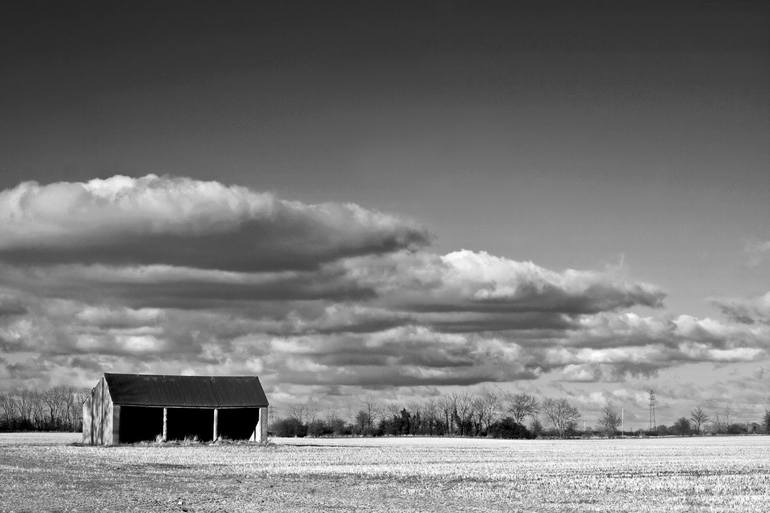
[[616, 346], [746, 311], [181, 287], [10, 305], [169, 275], [618, 371], [119, 317], [479, 282], [462, 291], [351, 344], [189, 223]]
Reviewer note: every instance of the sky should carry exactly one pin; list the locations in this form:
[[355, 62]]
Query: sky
[[391, 200]]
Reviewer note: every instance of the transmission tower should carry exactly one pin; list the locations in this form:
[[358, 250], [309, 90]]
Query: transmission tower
[[652, 411]]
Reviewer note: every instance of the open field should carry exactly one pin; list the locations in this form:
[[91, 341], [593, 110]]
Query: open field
[[43, 472]]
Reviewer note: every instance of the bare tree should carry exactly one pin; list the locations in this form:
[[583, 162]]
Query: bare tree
[[418, 417], [24, 407], [462, 412], [361, 422], [299, 412], [610, 420], [561, 414], [75, 408], [431, 416], [55, 400], [9, 407], [446, 406], [699, 418], [483, 411], [58, 408], [37, 408], [727, 412], [718, 424], [373, 411], [521, 406]]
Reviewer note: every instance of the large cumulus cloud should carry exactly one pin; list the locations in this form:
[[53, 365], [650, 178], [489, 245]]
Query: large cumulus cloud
[[179, 221]]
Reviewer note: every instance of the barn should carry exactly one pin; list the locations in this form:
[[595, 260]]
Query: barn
[[127, 408]]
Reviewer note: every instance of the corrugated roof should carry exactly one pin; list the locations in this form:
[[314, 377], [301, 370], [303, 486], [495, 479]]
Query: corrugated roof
[[186, 391]]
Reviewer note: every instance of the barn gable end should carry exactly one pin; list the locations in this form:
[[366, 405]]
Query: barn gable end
[[100, 416], [124, 408]]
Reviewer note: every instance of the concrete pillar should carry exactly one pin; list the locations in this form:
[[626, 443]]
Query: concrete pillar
[[216, 422], [261, 431], [165, 424]]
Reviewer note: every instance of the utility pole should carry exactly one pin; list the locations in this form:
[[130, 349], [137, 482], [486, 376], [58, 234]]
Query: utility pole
[[652, 410]]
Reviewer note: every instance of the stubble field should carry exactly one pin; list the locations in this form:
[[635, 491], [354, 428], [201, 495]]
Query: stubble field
[[46, 472]]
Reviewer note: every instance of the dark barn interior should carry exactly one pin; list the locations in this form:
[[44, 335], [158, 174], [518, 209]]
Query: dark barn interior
[[190, 423], [138, 424], [237, 423]]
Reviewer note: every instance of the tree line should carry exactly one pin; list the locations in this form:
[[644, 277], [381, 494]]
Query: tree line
[[489, 414], [55, 409], [699, 422], [486, 414], [494, 415]]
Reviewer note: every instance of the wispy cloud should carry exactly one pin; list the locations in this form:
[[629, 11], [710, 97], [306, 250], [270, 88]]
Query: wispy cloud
[[746, 310]]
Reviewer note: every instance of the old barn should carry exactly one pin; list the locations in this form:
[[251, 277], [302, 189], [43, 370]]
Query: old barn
[[126, 408]]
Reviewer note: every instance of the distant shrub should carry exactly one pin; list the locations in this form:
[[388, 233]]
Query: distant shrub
[[681, 427], [318, 428], [508, 428], [290, 427]]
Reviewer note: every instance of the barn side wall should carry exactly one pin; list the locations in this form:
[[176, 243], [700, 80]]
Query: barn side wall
[[88, 421], [100, 420]]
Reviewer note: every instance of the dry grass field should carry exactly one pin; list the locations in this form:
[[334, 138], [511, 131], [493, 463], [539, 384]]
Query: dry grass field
[[46, 472]]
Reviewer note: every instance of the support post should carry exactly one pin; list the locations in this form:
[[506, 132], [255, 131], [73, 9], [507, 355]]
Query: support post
[[115, 424], [261, 431], [216, 422], [165, 424]]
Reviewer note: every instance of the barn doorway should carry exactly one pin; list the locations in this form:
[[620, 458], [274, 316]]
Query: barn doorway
[[190, 423], [139, 424], [237, 423]]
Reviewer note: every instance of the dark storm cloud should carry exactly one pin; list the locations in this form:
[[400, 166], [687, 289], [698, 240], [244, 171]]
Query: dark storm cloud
[[526, 324], [184, 222], [175, 287]]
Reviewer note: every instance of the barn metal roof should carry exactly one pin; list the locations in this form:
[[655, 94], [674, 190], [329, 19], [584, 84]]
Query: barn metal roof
[[186, 391]]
